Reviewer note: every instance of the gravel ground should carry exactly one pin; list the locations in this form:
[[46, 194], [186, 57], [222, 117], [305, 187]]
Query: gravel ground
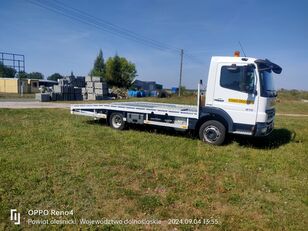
[[31, 104]]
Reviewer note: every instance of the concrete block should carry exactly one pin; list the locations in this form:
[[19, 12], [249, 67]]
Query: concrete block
[[80, 81], [99, 91], [90, 84], [78, 97], [91, 97], [99, 97], [100, 85], [71, 89], [77, 90], [53, 96], [57, 89], [37, 96], [103, 92], [96, 79], [88, 79], [90, 90], [43, 97], [64, 89], [59, 96], [62, 82]]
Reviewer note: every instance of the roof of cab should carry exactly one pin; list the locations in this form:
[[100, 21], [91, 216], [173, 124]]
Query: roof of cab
[[230, 59]]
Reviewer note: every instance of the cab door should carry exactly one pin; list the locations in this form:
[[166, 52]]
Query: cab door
[[235, 92]]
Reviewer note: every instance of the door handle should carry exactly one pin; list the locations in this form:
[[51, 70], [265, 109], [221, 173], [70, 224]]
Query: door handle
[[219, 100]]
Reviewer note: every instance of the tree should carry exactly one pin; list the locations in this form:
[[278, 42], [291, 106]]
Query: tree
[[7, 72], [22, 75], [99, 65], [119, 72], [35, 75], [55, 77], [113, 71], [129, 72]]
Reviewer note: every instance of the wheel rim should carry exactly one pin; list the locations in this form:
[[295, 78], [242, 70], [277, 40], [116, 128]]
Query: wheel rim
[[116, 121], [211, 134]]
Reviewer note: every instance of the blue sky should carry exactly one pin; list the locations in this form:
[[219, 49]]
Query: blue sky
[[277, 30]]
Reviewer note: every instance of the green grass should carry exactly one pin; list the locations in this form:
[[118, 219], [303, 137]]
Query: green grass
[[292, 102], [50, 159], [292, 107], [292, 94]]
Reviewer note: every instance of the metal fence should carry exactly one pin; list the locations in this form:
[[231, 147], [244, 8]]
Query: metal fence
[[16, 61]]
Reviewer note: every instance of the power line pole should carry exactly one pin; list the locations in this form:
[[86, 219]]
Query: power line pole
[[181, 71]]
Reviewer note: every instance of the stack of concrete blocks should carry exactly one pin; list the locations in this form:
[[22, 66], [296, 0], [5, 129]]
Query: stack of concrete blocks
[[43, 97], [95, 89], [69, 88], [78, 81], [66, 90]]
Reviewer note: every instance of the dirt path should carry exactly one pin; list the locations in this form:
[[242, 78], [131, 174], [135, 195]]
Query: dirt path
[[292, 115], [31, 104]]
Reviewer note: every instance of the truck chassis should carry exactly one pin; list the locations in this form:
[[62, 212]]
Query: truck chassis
[[159, 114]]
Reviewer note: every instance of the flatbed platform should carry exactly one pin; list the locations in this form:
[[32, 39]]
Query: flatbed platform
[[178, 110]]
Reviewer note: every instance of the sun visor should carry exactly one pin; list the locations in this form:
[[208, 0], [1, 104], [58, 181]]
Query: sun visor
[[266, 64]]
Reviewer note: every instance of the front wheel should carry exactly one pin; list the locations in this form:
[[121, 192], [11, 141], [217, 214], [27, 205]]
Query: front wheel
[[116, 121], [212, 132]]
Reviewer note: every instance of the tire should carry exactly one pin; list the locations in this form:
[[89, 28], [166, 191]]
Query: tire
[[212, 132], [116, 121]]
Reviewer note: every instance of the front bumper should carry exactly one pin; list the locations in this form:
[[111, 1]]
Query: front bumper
[[264, 129]]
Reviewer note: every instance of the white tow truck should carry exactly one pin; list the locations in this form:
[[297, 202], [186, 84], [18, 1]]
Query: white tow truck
[[240, 99]]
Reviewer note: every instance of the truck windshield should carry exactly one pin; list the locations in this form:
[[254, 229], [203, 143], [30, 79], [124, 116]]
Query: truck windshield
[[267, 84]]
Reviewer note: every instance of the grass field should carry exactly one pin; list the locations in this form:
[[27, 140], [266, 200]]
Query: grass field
[[50, 159]]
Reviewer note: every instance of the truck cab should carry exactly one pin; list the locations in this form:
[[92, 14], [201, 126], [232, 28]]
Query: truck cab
[[241, 96]]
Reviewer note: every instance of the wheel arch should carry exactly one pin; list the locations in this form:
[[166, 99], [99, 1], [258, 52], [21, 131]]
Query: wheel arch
[[218, 114]]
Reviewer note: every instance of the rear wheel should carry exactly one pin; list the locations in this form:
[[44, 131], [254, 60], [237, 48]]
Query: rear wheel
[[116, 121], [212, 132]]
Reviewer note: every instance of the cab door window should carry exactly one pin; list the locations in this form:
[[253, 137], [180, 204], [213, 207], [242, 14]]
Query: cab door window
[[238, 78]]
